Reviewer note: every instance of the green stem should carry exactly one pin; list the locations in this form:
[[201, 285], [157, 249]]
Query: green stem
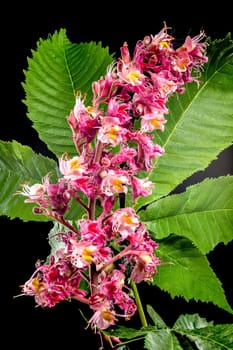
[[139, 305]]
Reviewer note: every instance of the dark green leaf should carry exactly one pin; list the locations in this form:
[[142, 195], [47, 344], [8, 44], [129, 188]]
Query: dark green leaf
[[204, 214], [156, 318], [56, 71], [162, 340], [219, 337], [191, 322], [186, 272], [18, 165]]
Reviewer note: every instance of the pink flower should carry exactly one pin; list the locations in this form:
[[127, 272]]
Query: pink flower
[[35, 193], [104, 89], [103, 317], [114, 182], [147, 150], [124, 222], [52, 283], [141, 187], [153, 121], [72, 168]]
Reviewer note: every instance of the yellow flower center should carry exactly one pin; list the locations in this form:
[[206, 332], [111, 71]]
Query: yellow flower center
[[133, 76], [155, 122], [113, 132], [127, 219], [36, 284], [108, 316], [87, 254], [75, 164], [182, 63], [117, 185], [90, 109], [164, 44]]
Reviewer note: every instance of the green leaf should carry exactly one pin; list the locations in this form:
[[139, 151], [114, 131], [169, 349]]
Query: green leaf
[[204, 334], [204, 214], [18, 165], [217, 337], [187, 273], [163, 339], [56, 240], [191, 322], [158, 321], [56, 71], [127, 333], [76, 211], [199, 125], [188, 332]]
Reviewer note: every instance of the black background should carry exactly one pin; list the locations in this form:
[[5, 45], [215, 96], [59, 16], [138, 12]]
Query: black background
[[24, 243]]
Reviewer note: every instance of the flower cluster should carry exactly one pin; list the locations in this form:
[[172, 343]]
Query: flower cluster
[[109, 247]]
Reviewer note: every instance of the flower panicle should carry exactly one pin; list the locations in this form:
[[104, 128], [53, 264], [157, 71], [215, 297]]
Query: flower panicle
[[129, 104]]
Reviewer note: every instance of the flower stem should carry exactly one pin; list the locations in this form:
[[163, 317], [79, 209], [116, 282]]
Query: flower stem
[[92, 201], [139, 305]]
